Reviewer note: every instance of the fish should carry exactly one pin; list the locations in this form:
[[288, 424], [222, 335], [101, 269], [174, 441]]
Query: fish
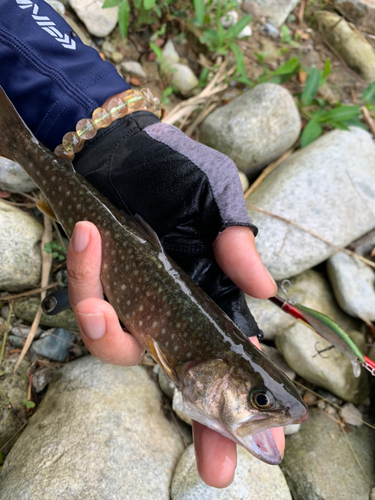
[[227, 383]]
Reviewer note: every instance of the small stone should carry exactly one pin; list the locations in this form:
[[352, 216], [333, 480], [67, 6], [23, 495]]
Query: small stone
[[55, 346], [276, 11], [98, 21], [107, 46], [244, 181], [170, 54], [244, 33], [16, 342], [351, 415], [42, 377], [330, 410], [13, 178], [309, 398], [180, 76], [165, 384], [270, 30], [291, 429], [133, 68], [251, 8], [178, 407], [57, 6], [322, 405], [229, 19], [116, 57], [23, 331]]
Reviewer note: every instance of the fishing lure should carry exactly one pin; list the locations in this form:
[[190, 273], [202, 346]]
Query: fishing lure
[[329, 330]]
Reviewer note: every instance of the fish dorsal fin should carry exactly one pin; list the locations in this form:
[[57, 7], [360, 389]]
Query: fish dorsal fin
[[156, 352], [146, 230], [45, 207]]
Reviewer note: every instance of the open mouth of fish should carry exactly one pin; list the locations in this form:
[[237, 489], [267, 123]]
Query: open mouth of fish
[[260, 444]]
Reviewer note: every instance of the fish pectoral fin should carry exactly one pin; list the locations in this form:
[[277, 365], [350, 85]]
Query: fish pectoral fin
[[45, 207], [158, 355], [146, 230]]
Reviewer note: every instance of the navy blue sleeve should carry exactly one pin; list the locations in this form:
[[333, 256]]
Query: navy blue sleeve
[[52, 78]]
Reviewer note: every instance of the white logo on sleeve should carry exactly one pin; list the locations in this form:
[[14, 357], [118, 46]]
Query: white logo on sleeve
[[47, 25]]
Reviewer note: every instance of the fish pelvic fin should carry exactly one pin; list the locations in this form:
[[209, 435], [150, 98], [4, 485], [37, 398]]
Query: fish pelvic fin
[[45, 207], [158, 355], [10, 124]]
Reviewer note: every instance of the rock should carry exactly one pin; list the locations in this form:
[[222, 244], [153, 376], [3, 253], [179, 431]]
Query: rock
[[56, 345], [98, 21], [16, 342], [276, 10], [178, 407], [229, 19], [12, 409], [13, 178], [244, 181], [271, 319], [252, 8], [133, 68], [100, 432], [269, 51], [23, 331], [170, 54], [27, 308], [300, 190], [57, 6], [270, 30], [79, 30], [354, 49], [351, 415], [353, 283], [255, 128], [180, 76], [252, 477], [319, 464], [359, 12], [276, 357], [116, 57], [19, 249], [42, 377], [245, 32], [166, 384], [291, 429]]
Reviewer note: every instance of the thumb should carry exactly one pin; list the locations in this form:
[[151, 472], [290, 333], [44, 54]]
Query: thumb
[[237, 256]]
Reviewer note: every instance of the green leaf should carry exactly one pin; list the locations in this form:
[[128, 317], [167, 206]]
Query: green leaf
[[355, 122], [285, 34], [148, 4], [157, 50], [341, 113], [311, 87], [369, 93], [290, 67], [110, 3], [28, 404], [337, 124], [137, 4], [199, 11], [123, 17], [311, 132], [239, 59], [327, 69], [238, 27]]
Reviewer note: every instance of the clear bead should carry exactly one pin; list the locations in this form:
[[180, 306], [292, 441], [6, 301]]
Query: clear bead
[[85, 129], [61, 153], [117, 107], [148, 94], [101, 118], [72, 142]]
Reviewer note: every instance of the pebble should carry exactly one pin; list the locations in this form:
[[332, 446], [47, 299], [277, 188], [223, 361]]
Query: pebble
[[165, 384], [26, 309], [245, 33], [98, 21], [42, 377], [359, 12], [57, 6], [355, 50], [253, 480], [276, 11], [16, 342], [309, 398], [170, 54], [319, 464], [353, 283], [291, 429], [270, 30], [255, 128], [133, 68], [13, 178], [116, 57], [20, 249], [252, 8], [300, 190], [180, 76], [178, 407], [351, 415], [229, 19], [54, 346], [23, 331], [100, 432], [244, 181]]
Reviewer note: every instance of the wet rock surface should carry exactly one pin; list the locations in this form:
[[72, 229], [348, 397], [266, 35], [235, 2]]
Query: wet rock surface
[[13, 178], [122, 444]]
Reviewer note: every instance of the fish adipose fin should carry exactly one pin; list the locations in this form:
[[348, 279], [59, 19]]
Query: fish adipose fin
[[45, 207], [10, 124]]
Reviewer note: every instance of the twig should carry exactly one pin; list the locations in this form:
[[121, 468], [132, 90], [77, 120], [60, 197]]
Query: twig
[[199, 119], [30, 292], [368, 119], [32, 198], [301, 11], [46, 268], [313, 233], [7, 325], [56, 228], [15, 204], [266, 172]]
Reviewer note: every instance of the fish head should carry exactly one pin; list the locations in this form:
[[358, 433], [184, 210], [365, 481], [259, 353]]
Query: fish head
[[243, 401]]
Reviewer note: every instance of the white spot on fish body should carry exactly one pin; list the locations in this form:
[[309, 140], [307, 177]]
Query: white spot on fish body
[[154, 324], [123, 287], [163, 330], [176, 347], [140, 323], [141, 308], [128, 302], [105, 266]]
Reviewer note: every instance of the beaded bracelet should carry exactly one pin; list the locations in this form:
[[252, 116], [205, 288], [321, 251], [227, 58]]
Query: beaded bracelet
[[119, 106]]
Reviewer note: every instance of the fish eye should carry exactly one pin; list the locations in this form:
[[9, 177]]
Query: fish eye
[[261, 399]]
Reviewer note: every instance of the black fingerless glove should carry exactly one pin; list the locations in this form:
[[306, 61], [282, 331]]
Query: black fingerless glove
[[187, 192]]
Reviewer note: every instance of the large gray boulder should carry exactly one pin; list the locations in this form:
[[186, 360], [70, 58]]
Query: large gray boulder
[[253, 480], [255, 128], [276, 10], [98, 21], [20, 256], [13, 178], [325, 462], [359, 12], [99, 433], [327, 187]]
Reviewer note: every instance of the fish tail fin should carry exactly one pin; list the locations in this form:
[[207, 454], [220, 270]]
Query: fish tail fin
[[10, 124]]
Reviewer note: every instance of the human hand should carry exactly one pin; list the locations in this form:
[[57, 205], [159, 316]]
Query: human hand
[[100, 329]]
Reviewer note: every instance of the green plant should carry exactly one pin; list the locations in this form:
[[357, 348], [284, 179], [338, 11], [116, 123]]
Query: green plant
[[58, 252], [219, 39], [28, 404], [280, 75]]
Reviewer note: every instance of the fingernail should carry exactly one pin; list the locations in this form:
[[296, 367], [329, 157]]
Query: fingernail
[[93, 325], [80, 238], [272, 280]]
